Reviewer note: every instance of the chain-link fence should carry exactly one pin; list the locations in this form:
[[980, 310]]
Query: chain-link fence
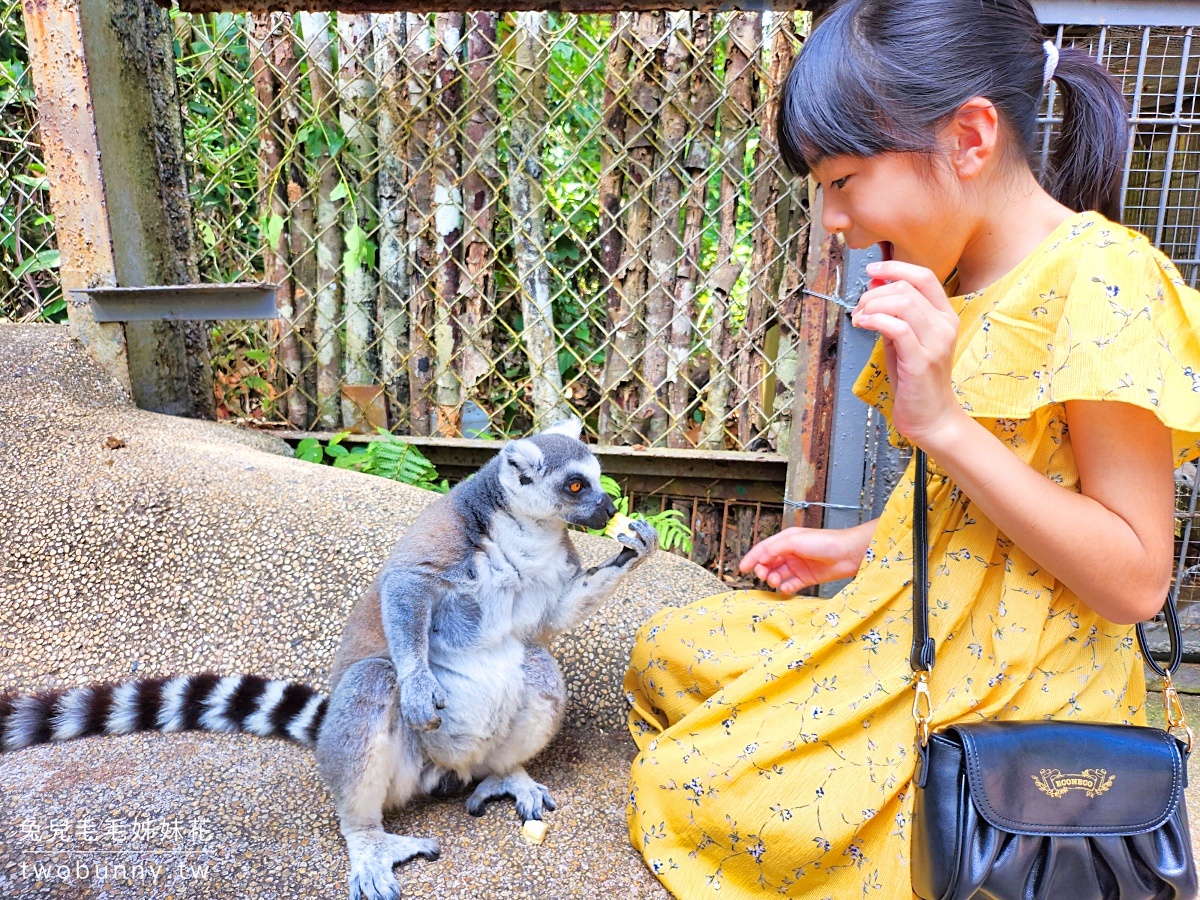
[[29, 289], [481, 222], [1159, 70]]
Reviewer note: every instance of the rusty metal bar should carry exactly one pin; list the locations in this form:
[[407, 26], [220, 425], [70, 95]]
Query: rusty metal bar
[[752, 471], [812, 411], [181, 302]]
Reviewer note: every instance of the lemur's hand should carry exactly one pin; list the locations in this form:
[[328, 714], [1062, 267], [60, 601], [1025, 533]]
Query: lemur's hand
[[420, 699], [640, 540]]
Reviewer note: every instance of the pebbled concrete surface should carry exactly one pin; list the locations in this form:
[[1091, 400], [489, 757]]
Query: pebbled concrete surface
[[134, 544], [182, 546]]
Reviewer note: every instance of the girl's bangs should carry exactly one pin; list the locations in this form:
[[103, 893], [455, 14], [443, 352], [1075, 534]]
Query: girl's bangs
[[830, 107]]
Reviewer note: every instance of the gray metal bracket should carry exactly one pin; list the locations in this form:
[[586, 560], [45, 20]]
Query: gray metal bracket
[[180, 302], [862, 464]]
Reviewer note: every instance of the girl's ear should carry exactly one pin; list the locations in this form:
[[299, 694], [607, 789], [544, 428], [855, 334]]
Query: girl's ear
[[973, 136]]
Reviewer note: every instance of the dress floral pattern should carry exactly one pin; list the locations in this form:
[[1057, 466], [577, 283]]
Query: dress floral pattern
[[776, 735]]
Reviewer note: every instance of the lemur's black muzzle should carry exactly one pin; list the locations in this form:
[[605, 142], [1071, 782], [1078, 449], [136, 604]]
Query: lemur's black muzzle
[[600, 515]]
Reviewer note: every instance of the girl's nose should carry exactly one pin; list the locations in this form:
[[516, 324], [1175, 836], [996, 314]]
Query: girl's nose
[[833, 219]]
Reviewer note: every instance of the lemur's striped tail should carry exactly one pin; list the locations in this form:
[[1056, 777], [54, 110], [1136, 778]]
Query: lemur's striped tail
[[208, 702]]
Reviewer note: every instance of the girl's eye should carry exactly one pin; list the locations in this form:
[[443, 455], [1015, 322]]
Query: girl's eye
[[575, 487], [839, 184]]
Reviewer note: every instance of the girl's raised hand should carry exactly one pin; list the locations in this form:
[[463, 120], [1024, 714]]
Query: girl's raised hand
[[798, 557], [919, 327]]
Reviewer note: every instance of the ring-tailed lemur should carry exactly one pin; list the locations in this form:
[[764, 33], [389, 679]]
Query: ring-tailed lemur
[[442, 675]]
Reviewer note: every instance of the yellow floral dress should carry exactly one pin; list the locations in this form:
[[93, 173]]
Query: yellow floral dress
[[776, 735]]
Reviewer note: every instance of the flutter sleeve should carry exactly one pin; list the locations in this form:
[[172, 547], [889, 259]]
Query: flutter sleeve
[[1110, 320]]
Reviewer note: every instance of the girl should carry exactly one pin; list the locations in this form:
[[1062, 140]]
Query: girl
[[776, 736]]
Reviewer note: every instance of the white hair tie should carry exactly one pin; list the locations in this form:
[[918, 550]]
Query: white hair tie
[[1051, 62]]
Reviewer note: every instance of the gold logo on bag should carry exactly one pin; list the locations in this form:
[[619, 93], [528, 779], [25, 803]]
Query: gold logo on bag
[[1092, 782]]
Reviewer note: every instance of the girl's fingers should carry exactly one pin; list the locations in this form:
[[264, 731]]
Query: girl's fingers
[[768, 550], [900, 301], [898, 331], [926, 283]]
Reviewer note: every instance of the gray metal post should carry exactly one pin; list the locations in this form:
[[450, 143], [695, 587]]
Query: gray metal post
[[863, 466]]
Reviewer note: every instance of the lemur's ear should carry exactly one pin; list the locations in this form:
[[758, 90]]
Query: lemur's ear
[[570, 426], [524, 458]]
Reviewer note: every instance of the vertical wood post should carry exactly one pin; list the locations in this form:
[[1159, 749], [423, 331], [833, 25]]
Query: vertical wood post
[[114, 161]]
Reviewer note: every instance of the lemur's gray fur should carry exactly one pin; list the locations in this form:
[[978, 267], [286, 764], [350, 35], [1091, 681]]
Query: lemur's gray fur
[[443, 672], [442, 675]]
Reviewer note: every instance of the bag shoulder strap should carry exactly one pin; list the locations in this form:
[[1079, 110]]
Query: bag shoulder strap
[[922, 656]]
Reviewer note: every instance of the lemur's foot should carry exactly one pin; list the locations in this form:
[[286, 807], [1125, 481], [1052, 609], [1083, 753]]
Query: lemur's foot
[[448, 785], [532, 798], [373, 853]]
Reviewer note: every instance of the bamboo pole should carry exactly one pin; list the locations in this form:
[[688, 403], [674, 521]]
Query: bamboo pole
[[391, 36], [325, 342], [753, 362], [356, 93], [447, 220], [621, 385], [527, 200], [480, 178], [613, 115], [736, 118], [419, 55], [661, 362], [264, 39], [702, 113], [300, 219]]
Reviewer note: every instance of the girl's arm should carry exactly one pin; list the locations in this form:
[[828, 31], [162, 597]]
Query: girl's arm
[[798, 557], [1111, 544]]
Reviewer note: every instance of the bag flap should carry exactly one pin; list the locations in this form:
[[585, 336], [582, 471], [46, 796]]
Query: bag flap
[[1072, 778]]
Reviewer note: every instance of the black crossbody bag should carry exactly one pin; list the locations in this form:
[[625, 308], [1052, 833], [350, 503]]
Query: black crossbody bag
[[1045, 810]]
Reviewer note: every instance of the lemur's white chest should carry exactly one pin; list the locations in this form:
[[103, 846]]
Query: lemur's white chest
[[521, 573]]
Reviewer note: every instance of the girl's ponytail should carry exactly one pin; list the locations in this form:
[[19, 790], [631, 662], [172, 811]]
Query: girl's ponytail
[[1085, 168]]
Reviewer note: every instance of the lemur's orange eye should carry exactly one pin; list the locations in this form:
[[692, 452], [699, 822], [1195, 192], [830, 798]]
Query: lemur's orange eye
[[575, 487]]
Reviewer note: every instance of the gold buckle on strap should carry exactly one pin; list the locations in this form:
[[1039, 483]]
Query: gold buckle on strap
[[923, 712], [1173, 712]]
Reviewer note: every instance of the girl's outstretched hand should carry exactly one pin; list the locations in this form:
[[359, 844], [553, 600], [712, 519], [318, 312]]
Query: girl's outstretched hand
[[919, 327], [798, 557]]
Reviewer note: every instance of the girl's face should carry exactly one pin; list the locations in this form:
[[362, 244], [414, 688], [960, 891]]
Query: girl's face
[[899, 198]]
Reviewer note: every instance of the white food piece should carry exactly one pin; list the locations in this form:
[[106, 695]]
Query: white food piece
[[617, 524], [534, 831]]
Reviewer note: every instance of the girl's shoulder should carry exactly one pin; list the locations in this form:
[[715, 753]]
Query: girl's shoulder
[[1090, 249]]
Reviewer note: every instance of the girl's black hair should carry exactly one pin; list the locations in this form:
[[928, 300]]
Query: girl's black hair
[[882, 76]]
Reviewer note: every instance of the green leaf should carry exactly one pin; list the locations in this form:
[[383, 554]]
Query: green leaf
[[273, 229], [55, 311], [336, 450], [310, 450], [610, 487], [40, 262], [341, 192], [360, 250]]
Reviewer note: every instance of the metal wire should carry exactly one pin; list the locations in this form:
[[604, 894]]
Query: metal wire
[[533, 215]]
